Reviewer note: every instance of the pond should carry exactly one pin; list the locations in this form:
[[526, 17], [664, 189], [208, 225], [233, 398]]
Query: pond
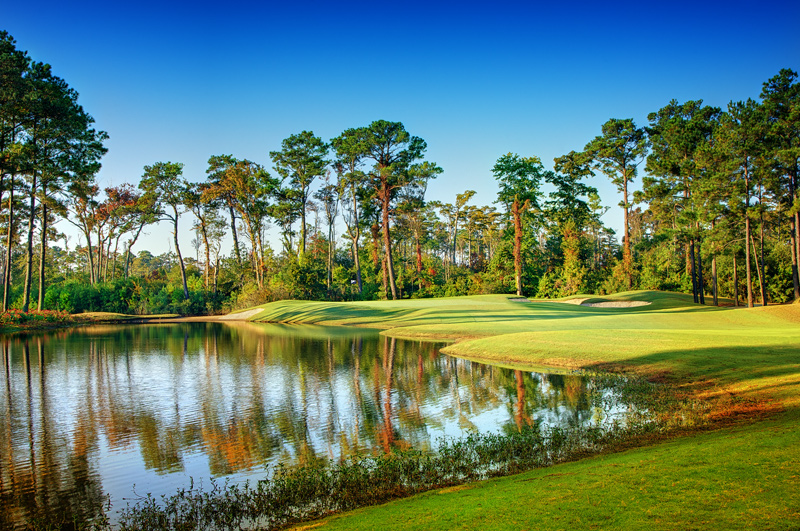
[[108, 413]]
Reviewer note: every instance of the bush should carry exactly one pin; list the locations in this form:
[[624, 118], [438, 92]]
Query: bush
[[15, 317]]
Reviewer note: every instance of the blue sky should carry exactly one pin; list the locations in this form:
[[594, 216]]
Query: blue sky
[[184, 81]]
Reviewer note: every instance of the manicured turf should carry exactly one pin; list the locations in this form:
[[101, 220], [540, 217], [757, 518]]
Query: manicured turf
[[744, 361]]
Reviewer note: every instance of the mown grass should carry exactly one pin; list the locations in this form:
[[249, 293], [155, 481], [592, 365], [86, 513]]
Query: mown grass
[[743, 363]]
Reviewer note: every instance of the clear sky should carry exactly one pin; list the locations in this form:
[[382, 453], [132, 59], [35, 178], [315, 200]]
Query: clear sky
[[183, 81]]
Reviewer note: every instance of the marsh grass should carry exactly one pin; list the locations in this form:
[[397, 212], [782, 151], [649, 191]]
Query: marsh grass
[[291, 495]]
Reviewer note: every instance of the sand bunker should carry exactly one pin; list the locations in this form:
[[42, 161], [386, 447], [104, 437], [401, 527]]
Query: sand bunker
[[604, 304], [615, 304], [240, 316], [576, 302]]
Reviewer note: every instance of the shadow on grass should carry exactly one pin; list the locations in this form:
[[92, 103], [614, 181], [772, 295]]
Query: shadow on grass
[[767, 372], [349, 314], [467, 309]]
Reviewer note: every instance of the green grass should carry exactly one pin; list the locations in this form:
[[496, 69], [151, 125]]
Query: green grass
[[745, 362]]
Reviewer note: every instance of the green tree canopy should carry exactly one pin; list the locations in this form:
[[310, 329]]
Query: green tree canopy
[[302, 159]]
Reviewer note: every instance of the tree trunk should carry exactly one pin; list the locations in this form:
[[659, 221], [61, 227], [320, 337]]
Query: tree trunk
[[26, 301], [418, 251], [693, 272], [796, 256], [116, 256], [208, 254], [2, 187], [469, 248], [517, 214], [455, 237], [98, 264], [9, 241], [376, 261], [180, 258], [385, 277], [763, 268], [700, 281], [357, 264], [758, 269], [714, 280], [107, 259], [354, 236], [235, 237], [627, 259], [387, 240], [331, 251], [216, 271], [735, 283], [302, 252], [90, 257], [42, 256], [260, 260], [748, 236], [794, 236]]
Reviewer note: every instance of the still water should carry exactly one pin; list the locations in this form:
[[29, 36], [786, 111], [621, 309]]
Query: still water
[[106, 413]]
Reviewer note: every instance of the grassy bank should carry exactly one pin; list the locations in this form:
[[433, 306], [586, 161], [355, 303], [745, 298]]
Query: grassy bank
[[744, 362]]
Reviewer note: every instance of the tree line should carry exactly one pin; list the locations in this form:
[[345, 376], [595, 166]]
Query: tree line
[[717, 201]]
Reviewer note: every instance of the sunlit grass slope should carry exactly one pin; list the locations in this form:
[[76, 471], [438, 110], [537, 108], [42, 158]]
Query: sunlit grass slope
[[744, 361], [737, 349]]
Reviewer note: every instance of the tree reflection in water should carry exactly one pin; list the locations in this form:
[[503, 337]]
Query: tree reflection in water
[[90, 412]]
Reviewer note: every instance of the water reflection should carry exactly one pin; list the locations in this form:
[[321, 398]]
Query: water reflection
[[93, 411]]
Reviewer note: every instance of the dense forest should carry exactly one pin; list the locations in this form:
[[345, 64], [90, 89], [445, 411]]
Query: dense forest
[[715, 212]]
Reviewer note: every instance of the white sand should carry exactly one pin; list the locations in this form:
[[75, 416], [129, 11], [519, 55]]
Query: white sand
[[240, 316], [615, 304]]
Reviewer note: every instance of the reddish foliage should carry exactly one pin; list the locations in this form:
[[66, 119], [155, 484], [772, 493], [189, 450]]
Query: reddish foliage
[[17, 317]]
